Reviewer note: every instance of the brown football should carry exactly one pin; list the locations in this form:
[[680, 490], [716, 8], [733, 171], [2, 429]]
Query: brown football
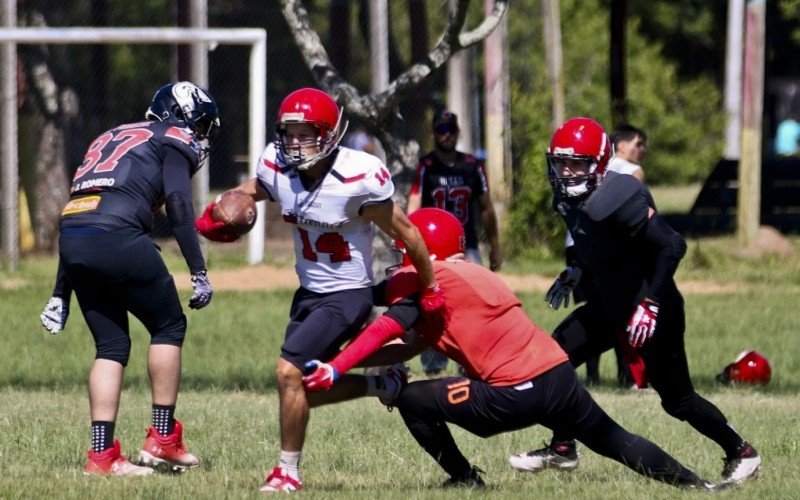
[[237, 210]]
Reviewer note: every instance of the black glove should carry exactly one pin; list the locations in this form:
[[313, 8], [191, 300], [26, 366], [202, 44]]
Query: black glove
[[202, 291]]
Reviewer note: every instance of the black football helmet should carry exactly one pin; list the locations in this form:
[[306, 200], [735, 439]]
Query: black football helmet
[[188, 103]]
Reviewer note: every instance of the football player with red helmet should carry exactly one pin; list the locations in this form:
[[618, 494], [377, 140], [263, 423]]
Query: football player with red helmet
[[631, 254], [332, 196], [517, 375]]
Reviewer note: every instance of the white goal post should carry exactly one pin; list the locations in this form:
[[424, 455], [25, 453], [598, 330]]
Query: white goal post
[[256, 38]]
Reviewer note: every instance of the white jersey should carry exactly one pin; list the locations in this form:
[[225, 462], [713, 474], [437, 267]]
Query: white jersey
[[617, 164], [332, 242]]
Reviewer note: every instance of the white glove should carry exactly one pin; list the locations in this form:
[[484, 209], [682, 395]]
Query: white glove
[[55, 314], [563, 286]]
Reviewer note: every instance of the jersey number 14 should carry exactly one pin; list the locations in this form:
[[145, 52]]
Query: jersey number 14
[[330, 243]]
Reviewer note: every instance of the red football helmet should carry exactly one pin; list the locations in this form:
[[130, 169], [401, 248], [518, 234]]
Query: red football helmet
[[749, 367], [442, 233], [581, 139], [314, 107]]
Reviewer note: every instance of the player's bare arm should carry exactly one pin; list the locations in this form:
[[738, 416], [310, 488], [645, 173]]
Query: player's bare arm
[[252, 188], [394, 222], [414, 203], [489, 220]]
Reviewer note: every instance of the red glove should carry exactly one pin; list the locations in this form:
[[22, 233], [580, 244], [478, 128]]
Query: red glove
[[321, 379], [434, 305], [211, 229], [642, 324]]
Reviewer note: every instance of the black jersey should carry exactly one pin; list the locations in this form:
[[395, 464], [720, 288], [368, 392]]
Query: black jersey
[[613, 241], [121, 180], [455, 189]]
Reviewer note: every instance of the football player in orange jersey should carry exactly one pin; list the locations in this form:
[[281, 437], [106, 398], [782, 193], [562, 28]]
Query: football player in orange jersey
[[517, 375]]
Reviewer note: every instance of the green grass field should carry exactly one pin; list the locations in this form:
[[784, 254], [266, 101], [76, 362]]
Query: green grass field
[[358, 449]]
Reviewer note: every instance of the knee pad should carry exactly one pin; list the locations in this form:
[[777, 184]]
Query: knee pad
[[171, 333], [118, 350]]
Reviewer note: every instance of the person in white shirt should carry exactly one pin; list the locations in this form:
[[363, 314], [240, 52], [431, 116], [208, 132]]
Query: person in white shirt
[[630, 146]]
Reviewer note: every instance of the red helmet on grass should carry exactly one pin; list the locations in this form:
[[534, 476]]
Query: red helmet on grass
[[750, 367], [442, 233]]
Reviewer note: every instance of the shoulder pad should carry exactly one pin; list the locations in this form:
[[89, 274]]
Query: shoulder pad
[[403, 283], [613, 193]]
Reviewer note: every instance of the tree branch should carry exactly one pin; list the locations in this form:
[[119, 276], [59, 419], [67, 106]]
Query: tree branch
[[319, 62], [451, 41], [376, 107]]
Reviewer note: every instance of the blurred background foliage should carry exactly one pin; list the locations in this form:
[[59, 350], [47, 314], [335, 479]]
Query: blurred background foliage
[[675, 64]]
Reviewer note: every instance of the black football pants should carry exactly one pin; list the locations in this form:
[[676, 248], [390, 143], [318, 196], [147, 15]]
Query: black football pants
[[555, 399]]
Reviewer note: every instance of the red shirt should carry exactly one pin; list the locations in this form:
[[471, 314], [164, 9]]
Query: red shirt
[[489, 333]]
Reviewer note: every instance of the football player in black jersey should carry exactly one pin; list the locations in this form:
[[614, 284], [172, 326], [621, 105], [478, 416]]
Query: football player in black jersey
[[632, 255], [455, 182], [109, 261]]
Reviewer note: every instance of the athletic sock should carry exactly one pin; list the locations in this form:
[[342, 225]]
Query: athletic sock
[[164, 419], [102, 435], [290, 461]]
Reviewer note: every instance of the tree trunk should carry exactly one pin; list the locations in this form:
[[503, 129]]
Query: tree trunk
[[44, 174], [50, 179]]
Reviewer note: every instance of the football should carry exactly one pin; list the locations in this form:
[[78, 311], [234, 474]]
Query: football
[[237, 210]]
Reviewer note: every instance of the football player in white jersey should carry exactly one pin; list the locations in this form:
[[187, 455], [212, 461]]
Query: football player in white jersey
[[332, 195]]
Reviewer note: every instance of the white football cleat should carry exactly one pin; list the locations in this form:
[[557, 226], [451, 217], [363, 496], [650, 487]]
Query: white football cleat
[[746, 463], [560, 456]]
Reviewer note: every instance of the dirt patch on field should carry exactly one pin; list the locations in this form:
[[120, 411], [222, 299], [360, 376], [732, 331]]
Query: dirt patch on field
[[261, 277], [264, 277], [12, 283]]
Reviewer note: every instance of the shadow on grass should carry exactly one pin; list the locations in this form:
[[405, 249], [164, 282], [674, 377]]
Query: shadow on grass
[[228, 382], [266, 383]]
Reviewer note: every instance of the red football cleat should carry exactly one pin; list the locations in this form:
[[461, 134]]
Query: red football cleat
[[279, 481], [158, 449], [111, 463]]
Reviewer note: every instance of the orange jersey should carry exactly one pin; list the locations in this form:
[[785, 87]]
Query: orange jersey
[[488, 334]]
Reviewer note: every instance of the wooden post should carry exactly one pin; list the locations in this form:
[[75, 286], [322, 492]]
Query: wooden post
[[733, 80], [553, 54], [498, 121], [458, 94], [748, 214]]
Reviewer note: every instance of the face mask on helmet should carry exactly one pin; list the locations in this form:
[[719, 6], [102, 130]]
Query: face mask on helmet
[[310, 107], [193, 105], [749, 367], [442, 233], [577, 157]]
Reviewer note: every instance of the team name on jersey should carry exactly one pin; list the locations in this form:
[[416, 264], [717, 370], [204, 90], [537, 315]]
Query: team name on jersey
[[292, 218], [451, 180]]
